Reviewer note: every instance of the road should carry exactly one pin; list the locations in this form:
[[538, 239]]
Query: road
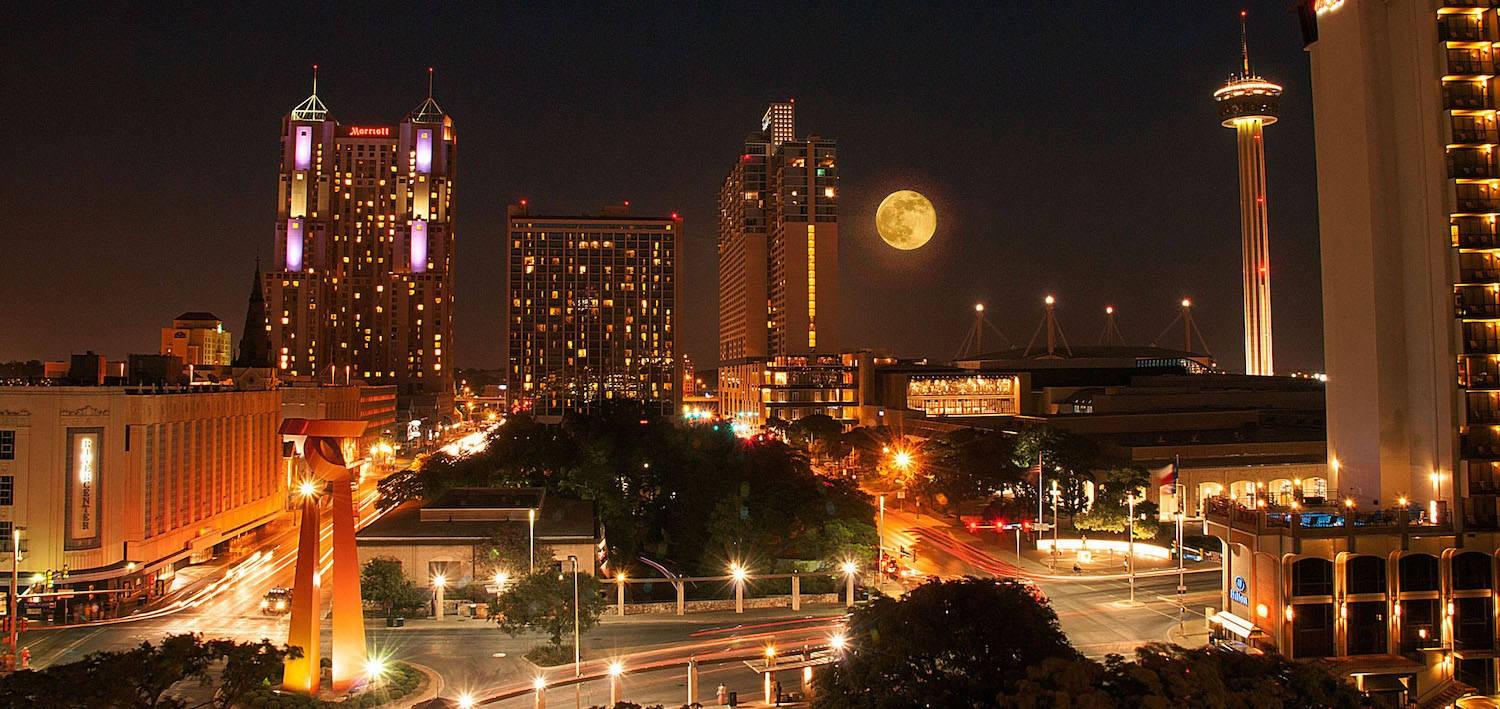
[[474, 657]]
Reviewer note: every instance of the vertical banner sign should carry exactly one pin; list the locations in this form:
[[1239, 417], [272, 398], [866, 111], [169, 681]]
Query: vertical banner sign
[[424, 150], [83, 466], [294, 244], [419, 246], [303, 156]]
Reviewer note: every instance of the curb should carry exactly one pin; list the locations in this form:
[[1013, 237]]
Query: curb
[[431, 687]]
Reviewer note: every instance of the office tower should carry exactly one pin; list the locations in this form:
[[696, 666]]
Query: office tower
[[1249, 103], [197, 339], [778, 256], [592, 308], [362, 284]]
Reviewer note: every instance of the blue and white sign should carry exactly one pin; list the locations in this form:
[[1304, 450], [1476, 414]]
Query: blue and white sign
[[1237, 594]]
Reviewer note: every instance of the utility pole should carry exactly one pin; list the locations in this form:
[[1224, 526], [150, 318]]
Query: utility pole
[[577, 665], [1130, 554], [15, 563]]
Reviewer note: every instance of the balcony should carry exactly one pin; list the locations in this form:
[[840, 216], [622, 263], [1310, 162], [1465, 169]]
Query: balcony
[[1324, 521], [1473, 447], [1482, 417], [1472, 169], [1467, 66], [1477, 310], [1470, 3], [1478, 205], [1479, 275], [1478, 240], [1475, 135], [1481, 346], [1465, 96], [1460, 28]]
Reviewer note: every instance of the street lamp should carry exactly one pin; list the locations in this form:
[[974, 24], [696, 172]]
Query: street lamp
[[850, 569], [466, 701], [616, 669], [308, 488], [738, 573], [375, 669], [439, 582], [15, 565], [838, 643], [531, 527]]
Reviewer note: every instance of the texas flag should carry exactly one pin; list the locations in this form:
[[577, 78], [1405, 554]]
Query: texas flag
[[1167, 475], [1034, 473]]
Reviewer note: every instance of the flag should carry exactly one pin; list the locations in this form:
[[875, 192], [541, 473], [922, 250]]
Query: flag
[[1034, 473], [1167, 475]]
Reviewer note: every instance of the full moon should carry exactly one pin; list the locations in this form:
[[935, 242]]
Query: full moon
[[906, 220]]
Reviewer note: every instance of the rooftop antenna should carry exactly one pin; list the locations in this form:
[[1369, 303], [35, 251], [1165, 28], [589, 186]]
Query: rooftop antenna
[[1054, 332], [1244, 44], [1111, 334], [976, 335], [1189, 328], [429, 81], [315, 79]]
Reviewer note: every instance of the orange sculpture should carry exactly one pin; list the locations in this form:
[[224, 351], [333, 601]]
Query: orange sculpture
[[321, 444]]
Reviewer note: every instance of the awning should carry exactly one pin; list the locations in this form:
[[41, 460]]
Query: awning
[[1233, 623]]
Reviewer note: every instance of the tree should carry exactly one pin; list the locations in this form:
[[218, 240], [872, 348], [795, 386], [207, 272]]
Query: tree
[[943, 644], [1066, 458], [382, 581], [138, 678], [247, 666], [1164, 676], [818, 434], [508, 551], [1111, 510], [543, 602], [970, 464]]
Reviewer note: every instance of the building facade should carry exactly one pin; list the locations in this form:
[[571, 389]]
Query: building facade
[[1393, 573], [198, 339], [778, 255], [592, 309], [120, 486], [362, 280]]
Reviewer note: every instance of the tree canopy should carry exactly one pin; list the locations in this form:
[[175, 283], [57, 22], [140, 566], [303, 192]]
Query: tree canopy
[[382, 581], [543, 602], [691, 496], [988, 643], [140, 678]]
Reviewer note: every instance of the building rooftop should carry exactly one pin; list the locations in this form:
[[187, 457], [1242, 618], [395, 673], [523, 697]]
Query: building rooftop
[[197, 315], [558, 520], [485, 498]]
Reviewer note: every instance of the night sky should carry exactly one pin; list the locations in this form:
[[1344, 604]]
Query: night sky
[[1069, 148]]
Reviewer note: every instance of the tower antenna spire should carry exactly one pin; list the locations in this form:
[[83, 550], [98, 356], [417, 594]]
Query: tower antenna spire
[[429, 82], [1244, 44], [315, 79]]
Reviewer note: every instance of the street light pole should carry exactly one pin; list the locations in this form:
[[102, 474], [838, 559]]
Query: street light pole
[[1130, 538], [531, 527], [1055, 495], [577, 665], [15, 564], [880, 543]]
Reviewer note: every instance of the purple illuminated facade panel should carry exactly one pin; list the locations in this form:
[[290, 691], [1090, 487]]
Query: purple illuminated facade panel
[[424, 150], [304, 147], [419, 246], [294, 244]]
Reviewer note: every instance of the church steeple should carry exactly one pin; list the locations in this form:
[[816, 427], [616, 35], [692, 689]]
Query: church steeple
[[255, 341]]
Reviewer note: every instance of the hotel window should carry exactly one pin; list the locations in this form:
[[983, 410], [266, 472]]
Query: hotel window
[[7, 445], [7, 490]]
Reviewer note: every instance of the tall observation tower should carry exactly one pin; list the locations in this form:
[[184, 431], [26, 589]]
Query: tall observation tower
[[1248, 103]]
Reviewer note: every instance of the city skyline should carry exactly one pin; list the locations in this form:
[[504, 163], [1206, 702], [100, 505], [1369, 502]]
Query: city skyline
[[1186, 209]]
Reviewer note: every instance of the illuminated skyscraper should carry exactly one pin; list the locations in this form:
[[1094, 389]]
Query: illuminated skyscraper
[[1249, 103], [592, 309], [778, 255], [362, 284]]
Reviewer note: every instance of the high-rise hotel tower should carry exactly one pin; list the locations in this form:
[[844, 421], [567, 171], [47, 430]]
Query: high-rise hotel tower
[[362, 281], [1249, 103], [778, 256]]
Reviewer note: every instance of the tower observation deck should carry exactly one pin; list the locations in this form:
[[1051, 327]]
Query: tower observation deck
[[1249, 103]]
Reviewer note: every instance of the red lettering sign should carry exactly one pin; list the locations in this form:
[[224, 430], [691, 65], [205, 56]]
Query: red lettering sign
[[383, 131]]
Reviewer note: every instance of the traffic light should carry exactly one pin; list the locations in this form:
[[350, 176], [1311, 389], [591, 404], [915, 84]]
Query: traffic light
[[65, 571], [48, 579], [973, 525]]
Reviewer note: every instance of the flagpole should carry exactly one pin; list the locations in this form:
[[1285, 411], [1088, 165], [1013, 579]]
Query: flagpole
[[1130, 534]]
